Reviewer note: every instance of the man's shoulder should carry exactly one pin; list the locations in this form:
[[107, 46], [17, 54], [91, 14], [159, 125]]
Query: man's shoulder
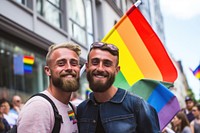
[[36, 103], [35, 109], [82, 105]]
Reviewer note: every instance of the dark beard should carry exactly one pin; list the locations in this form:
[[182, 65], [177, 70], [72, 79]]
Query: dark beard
[[66, 85], [98, 86]]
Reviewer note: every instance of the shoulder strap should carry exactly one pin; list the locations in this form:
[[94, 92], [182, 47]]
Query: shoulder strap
[[73, 109], [71, 106], [58, 117]]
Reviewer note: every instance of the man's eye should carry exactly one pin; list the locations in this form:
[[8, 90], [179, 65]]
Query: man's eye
[[74, 62], [61, 63], [95, 62], [107, 63]]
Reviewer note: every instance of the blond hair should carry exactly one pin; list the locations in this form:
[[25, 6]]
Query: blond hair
[[69, 45]]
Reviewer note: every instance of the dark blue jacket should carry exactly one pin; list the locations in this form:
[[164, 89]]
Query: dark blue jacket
[[124, 113]]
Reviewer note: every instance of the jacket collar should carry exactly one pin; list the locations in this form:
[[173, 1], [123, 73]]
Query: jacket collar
[[117, 98]]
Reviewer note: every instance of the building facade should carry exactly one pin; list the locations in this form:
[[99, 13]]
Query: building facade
[[29, 27]]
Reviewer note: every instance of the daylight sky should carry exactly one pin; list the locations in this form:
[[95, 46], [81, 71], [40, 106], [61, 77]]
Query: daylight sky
[[182, 34]]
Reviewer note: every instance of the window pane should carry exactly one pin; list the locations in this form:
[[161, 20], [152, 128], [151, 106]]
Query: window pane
[[89, 16], [90, 39], [21, 1], [50, 12], [76, 12], [77, 32], [55, 2], [80, 12]]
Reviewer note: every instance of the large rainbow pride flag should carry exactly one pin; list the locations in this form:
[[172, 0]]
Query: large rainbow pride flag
[[143, 56]]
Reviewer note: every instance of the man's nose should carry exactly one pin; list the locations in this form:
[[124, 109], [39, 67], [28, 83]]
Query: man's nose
[[100, 67], [68, 66]]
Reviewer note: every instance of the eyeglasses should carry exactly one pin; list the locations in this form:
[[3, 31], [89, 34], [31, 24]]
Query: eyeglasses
[[104, 45]]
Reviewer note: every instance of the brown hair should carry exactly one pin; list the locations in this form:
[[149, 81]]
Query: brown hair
[[180, 115], [105, 47]]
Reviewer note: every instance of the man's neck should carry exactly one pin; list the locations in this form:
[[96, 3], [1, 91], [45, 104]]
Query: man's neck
[[102, 97], [61, 96]]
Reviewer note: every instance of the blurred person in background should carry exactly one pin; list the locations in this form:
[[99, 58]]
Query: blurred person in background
[[195, 124], [76, 99], [180, 123], [16, 104], [4, 125], [188, 110]]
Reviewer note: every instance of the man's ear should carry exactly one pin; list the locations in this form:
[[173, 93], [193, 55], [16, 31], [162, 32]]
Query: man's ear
[[117, 69], [47, 70], [86, 65]]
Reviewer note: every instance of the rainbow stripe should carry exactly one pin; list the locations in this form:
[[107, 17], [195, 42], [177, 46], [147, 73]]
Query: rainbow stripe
[[142, 53], [160, 97], [196, 72], [28, 64], [72, 116], [28, 60], [87, 92]]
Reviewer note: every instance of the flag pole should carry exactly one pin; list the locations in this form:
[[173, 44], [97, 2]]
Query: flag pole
[[137, 3], [82, 70]]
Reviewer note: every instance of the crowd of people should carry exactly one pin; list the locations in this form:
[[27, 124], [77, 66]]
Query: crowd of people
[[9, 111], [107, 109]]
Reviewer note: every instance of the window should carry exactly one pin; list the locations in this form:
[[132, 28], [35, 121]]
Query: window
[[51, 11], [27, 3], [80, 21], [13, 74], [90, 35]]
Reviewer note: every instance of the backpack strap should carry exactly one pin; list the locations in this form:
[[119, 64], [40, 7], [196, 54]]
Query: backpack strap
[[58, 117], [72, 108]]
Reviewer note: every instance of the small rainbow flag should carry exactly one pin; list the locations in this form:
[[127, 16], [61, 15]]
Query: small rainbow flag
[[23, 64], [28, 64], [72, 116], [196, 72], [87, 92]]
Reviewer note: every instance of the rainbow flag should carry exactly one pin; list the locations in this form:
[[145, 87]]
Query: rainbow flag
[[196, 72], [72, 116], [87, 92], [28, 64], [158, 95], [22, 64]]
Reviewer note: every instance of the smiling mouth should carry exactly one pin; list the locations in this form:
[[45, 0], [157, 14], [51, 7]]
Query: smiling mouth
[[99, 76], [68, 75]]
